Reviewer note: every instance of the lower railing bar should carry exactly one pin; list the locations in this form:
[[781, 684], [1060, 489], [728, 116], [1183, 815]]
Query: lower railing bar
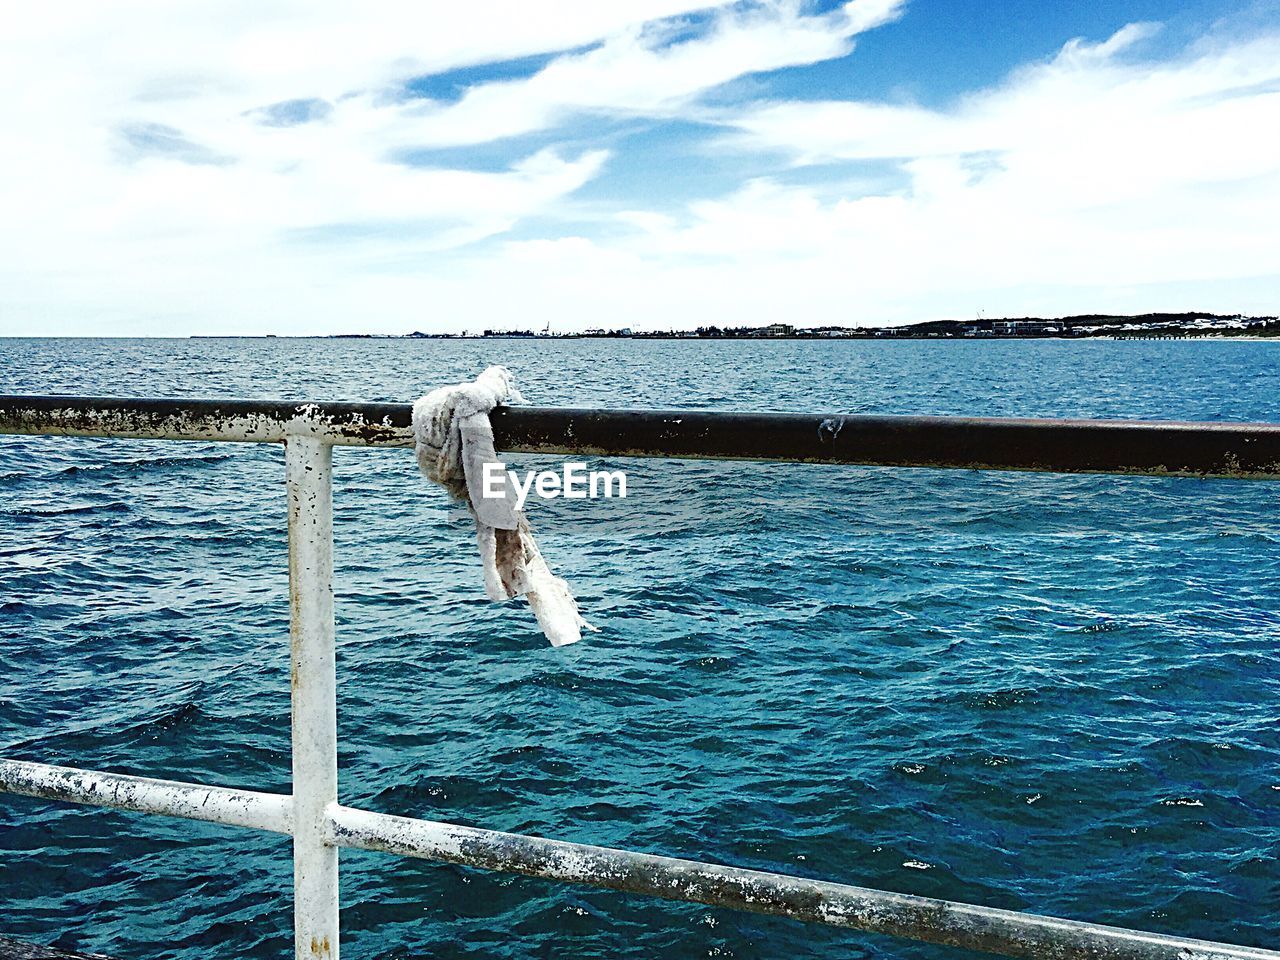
[[1003, 932], [992, 443], [237, 808]]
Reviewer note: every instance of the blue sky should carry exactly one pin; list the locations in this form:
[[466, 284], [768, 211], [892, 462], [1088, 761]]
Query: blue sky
[[286, 168]]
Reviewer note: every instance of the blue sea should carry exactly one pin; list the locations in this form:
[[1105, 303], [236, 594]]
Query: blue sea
[[1058, 694]]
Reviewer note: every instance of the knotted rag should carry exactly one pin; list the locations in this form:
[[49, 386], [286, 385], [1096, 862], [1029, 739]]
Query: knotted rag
[[454, 440]]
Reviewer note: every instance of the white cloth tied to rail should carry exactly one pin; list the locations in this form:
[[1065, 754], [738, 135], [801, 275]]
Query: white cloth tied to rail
[[454, 440]]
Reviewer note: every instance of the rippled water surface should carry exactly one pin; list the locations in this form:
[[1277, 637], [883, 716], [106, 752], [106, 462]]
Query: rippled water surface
[[1048, 693]]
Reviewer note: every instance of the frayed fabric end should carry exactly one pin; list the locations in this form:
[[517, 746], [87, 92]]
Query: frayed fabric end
[[453, 440]]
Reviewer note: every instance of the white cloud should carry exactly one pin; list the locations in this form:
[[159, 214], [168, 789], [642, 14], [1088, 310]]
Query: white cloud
[[112, 112], [1092, 171], [146, 142], [1093, 182], [153, 168], [286, 49], [638, 72]]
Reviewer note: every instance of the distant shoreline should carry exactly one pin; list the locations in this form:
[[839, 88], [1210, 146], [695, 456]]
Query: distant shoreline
[[1143, 327], [1214, 337], [1242, 337], [1146, 326]]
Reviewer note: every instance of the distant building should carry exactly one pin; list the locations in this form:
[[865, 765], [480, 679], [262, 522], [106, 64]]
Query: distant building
[[1023, 328], [777, 330]]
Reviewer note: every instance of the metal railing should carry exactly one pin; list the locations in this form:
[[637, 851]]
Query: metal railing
[[320, 825]]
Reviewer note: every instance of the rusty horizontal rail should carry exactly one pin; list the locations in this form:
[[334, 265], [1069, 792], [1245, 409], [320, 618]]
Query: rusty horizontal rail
[[1155, 448]]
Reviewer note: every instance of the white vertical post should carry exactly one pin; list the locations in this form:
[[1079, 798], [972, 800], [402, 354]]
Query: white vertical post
[[308, 474]]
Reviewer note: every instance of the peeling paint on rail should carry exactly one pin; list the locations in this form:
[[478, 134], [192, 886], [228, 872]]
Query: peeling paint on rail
[[233, 421], [172, 798], [918, 918]]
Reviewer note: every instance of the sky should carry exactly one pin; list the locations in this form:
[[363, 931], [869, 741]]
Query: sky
[[290, 168]]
